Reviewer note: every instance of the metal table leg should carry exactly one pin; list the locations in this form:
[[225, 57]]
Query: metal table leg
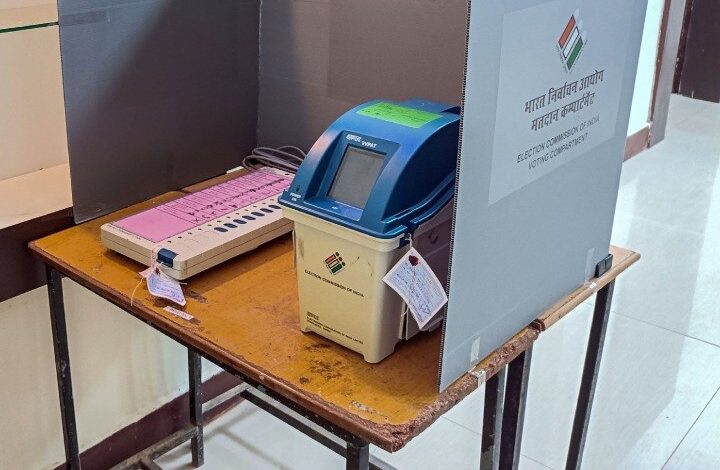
[[62, 367], [357, 456], [196, 418], [514, 410], [601, 315], [492, 421]]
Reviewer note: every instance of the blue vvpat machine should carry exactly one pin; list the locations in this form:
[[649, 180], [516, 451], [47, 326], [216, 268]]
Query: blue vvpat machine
[[380, 179]]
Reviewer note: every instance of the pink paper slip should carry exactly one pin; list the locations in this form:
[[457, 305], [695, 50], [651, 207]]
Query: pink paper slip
[[186, 213]]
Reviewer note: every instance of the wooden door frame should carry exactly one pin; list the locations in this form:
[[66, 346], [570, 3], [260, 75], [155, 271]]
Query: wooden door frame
[[670, 32], [669, 41]]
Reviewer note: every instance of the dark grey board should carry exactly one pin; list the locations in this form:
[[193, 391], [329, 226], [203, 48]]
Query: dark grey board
[[318, 59], [699, 78], [159, 94]]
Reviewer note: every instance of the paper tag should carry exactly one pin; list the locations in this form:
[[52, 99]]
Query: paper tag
[[418, 286], [179, 313], [391, 112], [161, 285]]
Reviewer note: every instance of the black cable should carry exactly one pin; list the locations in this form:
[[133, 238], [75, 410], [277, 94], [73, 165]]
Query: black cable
[[287, 158]]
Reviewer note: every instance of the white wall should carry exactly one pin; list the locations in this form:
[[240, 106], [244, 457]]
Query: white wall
[[642, 99], [121, 370], [4, 4], [32, 115]]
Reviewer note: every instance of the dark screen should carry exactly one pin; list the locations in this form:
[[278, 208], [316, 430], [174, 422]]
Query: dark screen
[[356, 176]]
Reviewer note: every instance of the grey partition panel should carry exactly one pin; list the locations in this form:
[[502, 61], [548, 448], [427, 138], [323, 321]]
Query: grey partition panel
[[320, 58], [536, 194], [159, 94]]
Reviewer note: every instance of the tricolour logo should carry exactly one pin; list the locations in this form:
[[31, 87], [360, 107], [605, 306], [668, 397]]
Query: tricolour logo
[[572, 41], [335, 263]]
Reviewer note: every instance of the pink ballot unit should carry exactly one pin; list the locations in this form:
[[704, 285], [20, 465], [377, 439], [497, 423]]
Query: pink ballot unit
[[203, 229]]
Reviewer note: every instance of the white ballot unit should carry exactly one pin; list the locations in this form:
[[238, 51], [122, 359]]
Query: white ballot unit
[[200, 230]]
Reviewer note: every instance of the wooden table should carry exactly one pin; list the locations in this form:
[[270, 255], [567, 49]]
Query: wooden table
[[246, 321]]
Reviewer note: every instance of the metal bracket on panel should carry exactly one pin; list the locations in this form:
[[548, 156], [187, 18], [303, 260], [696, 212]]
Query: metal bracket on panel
[[604, 266], [481, 376]]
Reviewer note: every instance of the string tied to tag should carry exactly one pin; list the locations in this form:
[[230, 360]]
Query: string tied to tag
[[144, 274]]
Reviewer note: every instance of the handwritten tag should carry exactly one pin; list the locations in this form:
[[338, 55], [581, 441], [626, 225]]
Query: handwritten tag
[[418, 286], [161, 285]]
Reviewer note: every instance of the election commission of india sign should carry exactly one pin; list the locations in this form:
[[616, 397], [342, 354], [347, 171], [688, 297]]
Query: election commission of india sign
[[559, 89]]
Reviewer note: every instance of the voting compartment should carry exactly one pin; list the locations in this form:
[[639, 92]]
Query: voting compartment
[[518, 205]]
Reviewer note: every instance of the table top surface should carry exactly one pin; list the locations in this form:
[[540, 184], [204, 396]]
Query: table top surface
[[246, 319]]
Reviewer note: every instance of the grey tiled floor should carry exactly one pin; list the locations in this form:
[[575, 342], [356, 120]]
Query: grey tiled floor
[[658, 398]]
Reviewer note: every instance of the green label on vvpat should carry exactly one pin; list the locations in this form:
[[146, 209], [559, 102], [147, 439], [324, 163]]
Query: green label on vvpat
[[399, 114]]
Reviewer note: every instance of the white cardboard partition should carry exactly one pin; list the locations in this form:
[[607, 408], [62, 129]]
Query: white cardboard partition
[[548, 92]]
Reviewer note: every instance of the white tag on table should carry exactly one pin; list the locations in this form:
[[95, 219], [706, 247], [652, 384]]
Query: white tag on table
[[179, 313], [418, 286], [161, 285]]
